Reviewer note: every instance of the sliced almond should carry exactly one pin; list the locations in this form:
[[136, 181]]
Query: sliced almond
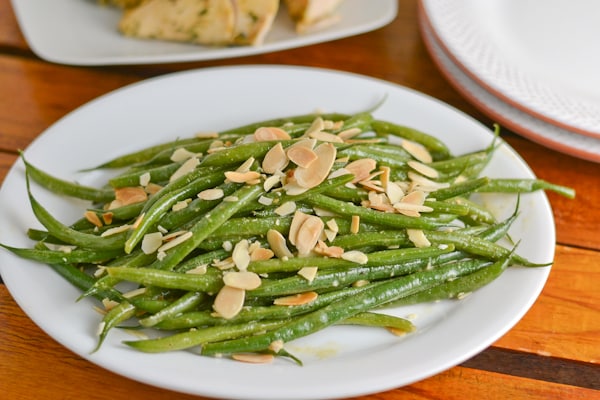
[[229, 301], [319, 169], [107, 217], [355, 256], [278, 244], [242, 280], [92, 217], [394, 192], [185, 168], [245, 166], [211, 194], [286, 208], [270, 133], [355, 224], [308, 234], [241, 177], [361, 169], [151, 242], [175, 242], [275, 159], [253, 358], [145, 179], [301, 156], [317, 126], [241, 255], [297, 221], [418, 238], [423, 169], [296, 299], [417, 150], [181, 154], [115, 230], [308, 273], [130, 195], [271, 182], [349, 133], [326, 137], [261, 254]]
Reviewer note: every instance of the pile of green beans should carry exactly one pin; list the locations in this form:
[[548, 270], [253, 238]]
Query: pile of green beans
[[171, 294]]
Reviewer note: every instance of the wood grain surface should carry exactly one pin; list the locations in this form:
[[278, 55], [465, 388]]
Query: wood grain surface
[[553, 352]]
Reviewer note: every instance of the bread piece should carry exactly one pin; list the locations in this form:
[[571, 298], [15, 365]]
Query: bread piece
[[254, 19], [313, 14], [209, 22]]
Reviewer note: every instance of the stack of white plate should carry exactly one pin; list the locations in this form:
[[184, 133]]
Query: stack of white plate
[[531, 66]]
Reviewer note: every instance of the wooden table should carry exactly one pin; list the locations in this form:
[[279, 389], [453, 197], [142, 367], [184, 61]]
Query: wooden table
[[552, 353]]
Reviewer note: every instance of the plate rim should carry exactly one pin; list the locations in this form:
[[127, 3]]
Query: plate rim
[[389, 11], [375, 384], [469, 67]]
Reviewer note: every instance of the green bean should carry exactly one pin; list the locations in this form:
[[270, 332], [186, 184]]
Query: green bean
[[412, 260], [459, 189], [158, 208], [208, 224], [369, 215], [75, 256], [335, 312], [209, 282], [458, 288], [184, 303], [524, 186], [437, 148], [115, 316], [237, 154], [197, 337], [144, 154], [67, 188], [72, 236], [380, 320]]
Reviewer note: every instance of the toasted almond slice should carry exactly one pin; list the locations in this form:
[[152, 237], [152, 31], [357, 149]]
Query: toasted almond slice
[[211, 194], [253, 358], [425, 184], [293, 189], [411, 210], [302, 156], [326, 137], [278, 244], [418, 238], [177, 241], [286, 208], [152, 188], [416, 197], [185, 168], [355, 256], [275, 159], [229, 301], [319, 169], [308, 234], [317, 126], [297, 221], [107, 217], [417, 150], [349, 133], [361, 168], [130, 195], [394, 192], [92, 217], [199, 270], [330, 235], [423, 169], [115, 230], [338, 172], [276, 346], [372, 185], [224, 264], [261, 254], [271, 182], [181, 154], [241, 255], [242, 280], [355, 224], [296, 299], [241, 177], [145, 179], [151, 242], [270, 133], [308, 273], [245, 166], [180, 205], [307, 142]]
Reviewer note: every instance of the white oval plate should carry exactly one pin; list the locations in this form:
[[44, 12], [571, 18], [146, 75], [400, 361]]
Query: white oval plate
[[537, 130], [540, 58], [80, 32], [338, 362]]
